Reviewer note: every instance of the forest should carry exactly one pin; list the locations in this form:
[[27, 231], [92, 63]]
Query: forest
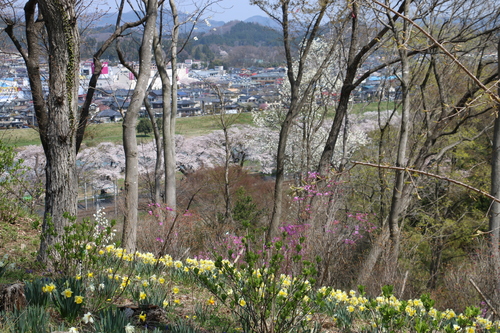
[[315, 215]]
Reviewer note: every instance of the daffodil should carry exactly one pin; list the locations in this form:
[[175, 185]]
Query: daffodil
[[242, 302], [73, 330], [67, 293], [142, 316], [49, 288], [175, 290], [78, 299], [142, 295], [87, 318], [129, 328], [411, 311], [211, 301]]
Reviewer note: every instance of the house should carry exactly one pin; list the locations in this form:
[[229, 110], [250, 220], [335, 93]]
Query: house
[[108, 116]]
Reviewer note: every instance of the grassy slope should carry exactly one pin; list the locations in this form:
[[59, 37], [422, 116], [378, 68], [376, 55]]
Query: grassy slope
[[95, 133]]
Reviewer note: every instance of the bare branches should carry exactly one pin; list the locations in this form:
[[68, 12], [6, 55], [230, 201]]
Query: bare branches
[[487, 90], [425, 173]]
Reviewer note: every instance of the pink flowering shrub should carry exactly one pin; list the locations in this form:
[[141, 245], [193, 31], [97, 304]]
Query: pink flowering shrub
[[165, 231]]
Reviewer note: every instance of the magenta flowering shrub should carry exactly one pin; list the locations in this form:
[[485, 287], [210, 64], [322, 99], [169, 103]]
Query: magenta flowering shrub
[[334, 234], [165, 231]]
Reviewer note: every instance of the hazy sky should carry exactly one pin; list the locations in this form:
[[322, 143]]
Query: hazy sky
[[224, 10], [235, 10]]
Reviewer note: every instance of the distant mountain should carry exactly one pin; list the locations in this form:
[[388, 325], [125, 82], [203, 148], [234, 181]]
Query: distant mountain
[[238, 33], [262, 20], [110, 19]]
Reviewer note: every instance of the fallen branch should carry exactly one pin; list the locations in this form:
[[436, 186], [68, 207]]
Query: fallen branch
[[484, 297]]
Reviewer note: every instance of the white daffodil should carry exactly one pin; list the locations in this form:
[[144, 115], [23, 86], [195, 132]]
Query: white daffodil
[[129, 328], [87, 318]]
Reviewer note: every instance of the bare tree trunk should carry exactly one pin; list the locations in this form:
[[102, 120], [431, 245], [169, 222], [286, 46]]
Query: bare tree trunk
[[398, 198], [373, 256], [169, 117], [156, 194], [131, 186], [494, 226]]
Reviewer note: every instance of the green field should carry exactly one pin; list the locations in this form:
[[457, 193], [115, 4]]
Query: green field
[[112, 132]]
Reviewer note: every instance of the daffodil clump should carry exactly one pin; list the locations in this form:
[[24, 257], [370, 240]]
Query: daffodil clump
[[387, 313], [67, 295], [260, 297], [255, 290]]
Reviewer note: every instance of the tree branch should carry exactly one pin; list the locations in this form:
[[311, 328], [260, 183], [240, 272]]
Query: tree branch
[[410, 170]]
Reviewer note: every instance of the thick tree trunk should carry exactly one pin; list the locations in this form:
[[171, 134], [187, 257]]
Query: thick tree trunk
[[59, 134], [131, 186]]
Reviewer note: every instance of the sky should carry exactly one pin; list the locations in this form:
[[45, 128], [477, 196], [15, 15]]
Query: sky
[[221, 10]]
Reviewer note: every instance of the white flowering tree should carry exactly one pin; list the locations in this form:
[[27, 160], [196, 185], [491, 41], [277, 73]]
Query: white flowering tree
[[310, 18]]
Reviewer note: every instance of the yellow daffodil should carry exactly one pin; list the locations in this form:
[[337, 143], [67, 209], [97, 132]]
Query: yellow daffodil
[[49, 288], [67, 293], [283, 293], [78, 299], [142, 295], [211, 301], [142, 316], [242, 302], [411, 311], [175, 290]]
